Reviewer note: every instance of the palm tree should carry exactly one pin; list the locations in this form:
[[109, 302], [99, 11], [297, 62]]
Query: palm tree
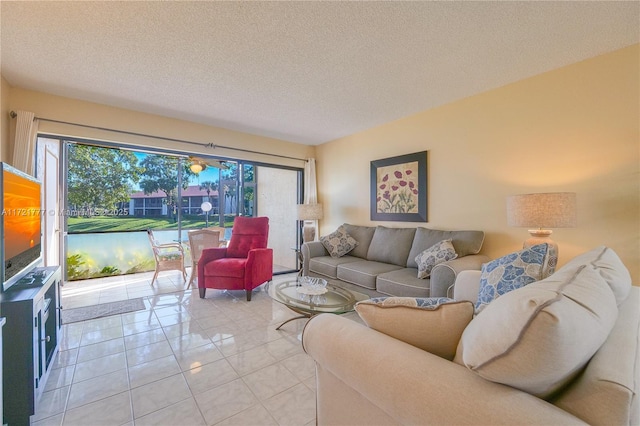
[[208, 186]]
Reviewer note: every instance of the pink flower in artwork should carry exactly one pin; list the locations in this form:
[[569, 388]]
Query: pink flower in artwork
[[397, 191]]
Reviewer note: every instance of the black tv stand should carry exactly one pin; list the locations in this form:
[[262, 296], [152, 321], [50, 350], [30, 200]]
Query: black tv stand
[[29, 340], [37, 277]]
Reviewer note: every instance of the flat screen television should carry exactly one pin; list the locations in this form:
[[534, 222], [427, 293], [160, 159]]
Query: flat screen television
[[21, 227]]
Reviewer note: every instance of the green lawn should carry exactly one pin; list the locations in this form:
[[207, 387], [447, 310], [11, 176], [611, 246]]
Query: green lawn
[[124, 223]]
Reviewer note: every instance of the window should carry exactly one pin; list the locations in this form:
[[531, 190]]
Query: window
[[123, 193]]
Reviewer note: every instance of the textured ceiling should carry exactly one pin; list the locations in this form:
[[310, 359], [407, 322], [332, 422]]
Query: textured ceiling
[[306, 72]]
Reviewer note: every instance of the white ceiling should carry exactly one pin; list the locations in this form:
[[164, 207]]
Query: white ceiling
[[306, 72]]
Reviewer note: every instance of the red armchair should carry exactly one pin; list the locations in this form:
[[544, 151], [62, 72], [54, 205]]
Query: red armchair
[[244, 264]]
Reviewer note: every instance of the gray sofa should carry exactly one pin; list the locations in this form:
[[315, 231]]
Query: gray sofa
[[383, 262]]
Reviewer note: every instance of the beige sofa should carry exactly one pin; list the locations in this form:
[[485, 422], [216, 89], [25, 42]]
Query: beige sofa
[[383, 262], [365, 377]]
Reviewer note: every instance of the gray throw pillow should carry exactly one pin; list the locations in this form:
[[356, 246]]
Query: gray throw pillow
[[339, 242]]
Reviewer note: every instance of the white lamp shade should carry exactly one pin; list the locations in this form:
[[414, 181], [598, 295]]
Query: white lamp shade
[[544, 210], [310, 211]]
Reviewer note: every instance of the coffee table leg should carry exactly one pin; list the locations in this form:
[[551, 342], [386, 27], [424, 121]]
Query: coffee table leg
[[291, 319]]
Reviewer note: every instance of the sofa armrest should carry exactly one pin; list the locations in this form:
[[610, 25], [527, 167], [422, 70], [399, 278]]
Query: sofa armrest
[[309, 250], [467, 286], [443, 275], [409, 385]]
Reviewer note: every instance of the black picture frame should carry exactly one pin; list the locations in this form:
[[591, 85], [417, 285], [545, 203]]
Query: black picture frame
[[399, 188]]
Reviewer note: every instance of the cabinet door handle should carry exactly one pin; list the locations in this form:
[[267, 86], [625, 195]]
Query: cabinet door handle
[[46, 339]]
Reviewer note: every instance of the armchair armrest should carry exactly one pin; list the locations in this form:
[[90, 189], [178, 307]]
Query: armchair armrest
[[309, 250], [467, 286], [443, 275], [361, 371], [169, 246], [259, 267], [207, 256]]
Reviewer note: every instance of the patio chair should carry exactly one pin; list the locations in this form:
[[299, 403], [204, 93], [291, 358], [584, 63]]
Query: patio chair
[[198, 241], [168, 257], [222, 230], [244, 264]]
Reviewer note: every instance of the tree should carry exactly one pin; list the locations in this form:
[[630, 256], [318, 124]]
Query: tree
[[160, 173], [208, 186], [100, 178]]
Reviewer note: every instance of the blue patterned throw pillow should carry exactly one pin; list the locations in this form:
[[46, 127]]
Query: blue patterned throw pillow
[[437, 253], [510, 272], [417, 302]]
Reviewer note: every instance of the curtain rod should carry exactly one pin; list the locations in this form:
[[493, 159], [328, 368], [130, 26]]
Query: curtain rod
[[13, 114]]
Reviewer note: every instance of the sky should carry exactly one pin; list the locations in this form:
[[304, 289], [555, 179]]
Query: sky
[[209, 174]]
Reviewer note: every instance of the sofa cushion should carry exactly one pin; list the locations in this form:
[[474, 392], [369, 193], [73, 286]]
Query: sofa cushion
[[391, 245], [405, 282], [363, 235], [363, 272], [464, 242], [606, 393], [538, 338], [431, 324], [510, 272], [327, 265], [437, 253], [339, 242]]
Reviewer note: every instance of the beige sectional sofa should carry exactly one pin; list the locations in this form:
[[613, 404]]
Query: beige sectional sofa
[[563, 350], [383, 262]]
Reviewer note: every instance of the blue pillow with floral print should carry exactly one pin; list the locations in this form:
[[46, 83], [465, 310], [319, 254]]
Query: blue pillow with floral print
[[510, 272], [417, 302]]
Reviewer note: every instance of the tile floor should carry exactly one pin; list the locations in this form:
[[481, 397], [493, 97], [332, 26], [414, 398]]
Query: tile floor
[[181, 361]]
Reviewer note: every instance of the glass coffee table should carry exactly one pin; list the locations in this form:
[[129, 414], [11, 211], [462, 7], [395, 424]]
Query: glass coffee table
[[310, 301]]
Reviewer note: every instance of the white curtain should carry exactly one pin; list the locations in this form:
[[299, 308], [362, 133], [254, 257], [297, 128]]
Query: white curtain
[[310, 189], [24, 145]]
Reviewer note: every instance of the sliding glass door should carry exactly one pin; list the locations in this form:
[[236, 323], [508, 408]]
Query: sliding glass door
[[113, 194]]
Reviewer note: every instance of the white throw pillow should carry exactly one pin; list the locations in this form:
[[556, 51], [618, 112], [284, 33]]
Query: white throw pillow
[[539, 337], [437, 253], [609, 266]]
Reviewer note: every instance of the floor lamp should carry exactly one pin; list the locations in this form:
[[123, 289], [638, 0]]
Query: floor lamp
[[309, 212]]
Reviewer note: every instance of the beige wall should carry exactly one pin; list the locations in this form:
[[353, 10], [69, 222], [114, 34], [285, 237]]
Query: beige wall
[[573, 129], [4, 119], [87, 113]]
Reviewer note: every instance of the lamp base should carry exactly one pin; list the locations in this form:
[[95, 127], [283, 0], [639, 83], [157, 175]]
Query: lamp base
[[308, 233], [541, 236]]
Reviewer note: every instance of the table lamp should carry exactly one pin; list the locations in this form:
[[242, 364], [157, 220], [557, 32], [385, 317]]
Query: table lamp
[[309, 212], [543, 210]]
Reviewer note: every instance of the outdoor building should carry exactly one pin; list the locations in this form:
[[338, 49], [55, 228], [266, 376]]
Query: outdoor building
[[154, 204]]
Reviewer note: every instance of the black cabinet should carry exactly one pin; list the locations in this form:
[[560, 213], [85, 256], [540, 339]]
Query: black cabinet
[[29, 341]]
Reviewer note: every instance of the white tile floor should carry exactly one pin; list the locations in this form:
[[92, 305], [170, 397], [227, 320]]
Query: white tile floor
[[181, 361]]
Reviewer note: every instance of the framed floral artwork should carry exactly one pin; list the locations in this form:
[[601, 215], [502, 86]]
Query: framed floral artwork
[[399, 188]]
